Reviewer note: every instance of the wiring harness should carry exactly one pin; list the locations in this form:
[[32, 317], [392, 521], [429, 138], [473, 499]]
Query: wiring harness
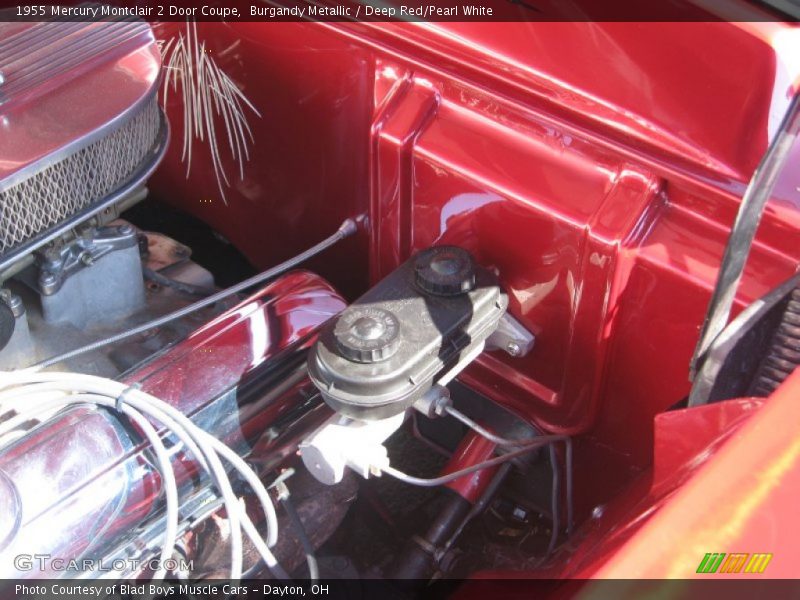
[[35, 392]]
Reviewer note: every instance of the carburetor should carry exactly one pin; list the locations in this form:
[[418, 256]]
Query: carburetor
[[417, 328]]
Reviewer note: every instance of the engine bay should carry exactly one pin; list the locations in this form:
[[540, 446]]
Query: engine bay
[[363, 315]]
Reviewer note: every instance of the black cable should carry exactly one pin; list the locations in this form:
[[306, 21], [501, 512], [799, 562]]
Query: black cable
[[555, 509], [478, 507], [308, 547], [501, 441], [554, 498], [555, 493], [346, 229]]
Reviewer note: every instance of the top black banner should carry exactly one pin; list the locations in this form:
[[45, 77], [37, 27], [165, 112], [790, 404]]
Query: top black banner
[[408, 10]]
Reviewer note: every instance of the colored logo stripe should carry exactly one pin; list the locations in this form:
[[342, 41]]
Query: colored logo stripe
[[757, 563], [734, 563], [710, 563]]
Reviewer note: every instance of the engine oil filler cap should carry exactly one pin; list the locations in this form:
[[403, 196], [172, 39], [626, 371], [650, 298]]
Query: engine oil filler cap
[[393, 343], [367, 334], [444, 271]]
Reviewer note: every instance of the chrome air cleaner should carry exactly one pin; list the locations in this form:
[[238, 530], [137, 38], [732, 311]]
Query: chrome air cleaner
[[80, 126]]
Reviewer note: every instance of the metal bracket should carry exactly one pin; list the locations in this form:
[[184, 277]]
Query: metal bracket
[[511, 337], [58, 264]]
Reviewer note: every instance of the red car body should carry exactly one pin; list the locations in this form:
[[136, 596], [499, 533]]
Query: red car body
[[598, 167]]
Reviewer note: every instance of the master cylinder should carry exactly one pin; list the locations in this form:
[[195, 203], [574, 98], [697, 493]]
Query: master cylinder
[[418, 327]]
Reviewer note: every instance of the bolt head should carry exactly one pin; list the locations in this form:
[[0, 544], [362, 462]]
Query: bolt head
[[48, 283], [513, 349], [14, 302]]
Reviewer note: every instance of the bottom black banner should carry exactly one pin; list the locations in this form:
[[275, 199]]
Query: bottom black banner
[[351, 589]]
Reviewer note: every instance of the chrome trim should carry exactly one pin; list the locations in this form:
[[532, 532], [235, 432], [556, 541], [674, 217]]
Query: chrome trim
[[78, 144], [45, 64], [95, 41]]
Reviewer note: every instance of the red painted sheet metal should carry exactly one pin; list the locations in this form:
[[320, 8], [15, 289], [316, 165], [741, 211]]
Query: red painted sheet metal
[[743, 500], [684, 441], [597, 166]]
